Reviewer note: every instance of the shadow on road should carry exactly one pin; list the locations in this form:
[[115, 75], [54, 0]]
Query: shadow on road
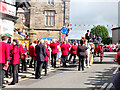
[[68, 68], [104, 62], [98, 81]]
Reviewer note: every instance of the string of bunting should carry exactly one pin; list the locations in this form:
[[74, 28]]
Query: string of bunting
[[94, 25]]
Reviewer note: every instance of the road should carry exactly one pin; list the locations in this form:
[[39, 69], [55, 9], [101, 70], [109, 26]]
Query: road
[[97, 76]]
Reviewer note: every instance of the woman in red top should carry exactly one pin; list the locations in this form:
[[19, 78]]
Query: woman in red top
[[15, 61], [73, 52], [24, 53], [46, 59], [9, 70], [65, 50], [32, 53]]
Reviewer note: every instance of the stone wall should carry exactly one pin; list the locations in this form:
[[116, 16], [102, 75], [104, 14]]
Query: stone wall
[[37, 17], [48, 34]]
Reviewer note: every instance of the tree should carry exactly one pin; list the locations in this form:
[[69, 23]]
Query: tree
[[107, 40], [100, 31]]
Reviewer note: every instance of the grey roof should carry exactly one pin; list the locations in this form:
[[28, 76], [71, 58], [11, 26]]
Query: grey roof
[[115, 28]]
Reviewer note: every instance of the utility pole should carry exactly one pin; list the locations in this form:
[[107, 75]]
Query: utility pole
[[64, 11]]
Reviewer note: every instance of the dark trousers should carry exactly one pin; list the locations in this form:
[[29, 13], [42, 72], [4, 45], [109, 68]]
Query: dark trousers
[[9, 71], [45, 66], [81, 63], [35, 64], [15, 73], [39, 69], [24, 65], [1, 74], [31, 61], [72, 55], [64, 59], [53, 61]]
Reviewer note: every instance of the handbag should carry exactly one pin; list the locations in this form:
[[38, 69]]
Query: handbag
[[5, 66]]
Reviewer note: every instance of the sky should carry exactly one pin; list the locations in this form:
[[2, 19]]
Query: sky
[[92, 12]]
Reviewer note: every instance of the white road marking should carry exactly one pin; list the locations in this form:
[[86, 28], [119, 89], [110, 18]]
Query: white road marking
[[109, 86], [115, 70], [104, 86]]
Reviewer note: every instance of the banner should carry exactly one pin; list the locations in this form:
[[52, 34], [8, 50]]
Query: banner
[[7, 27]]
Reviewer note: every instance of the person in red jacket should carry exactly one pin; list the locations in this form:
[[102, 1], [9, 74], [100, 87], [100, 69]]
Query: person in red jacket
[[4, 57], [54, 52], [73, 52], [46, 59], [23, 57], [117, 59], [32, 53], [20, 48], [15, 61], [64, 49], [9, 70]]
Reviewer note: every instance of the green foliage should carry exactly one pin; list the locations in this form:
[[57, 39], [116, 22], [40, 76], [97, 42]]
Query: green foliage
[[107, 40], [100, 31]]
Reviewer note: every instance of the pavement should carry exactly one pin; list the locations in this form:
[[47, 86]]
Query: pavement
[[98, 76]]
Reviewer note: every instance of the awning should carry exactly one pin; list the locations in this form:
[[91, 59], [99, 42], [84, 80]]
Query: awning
[[20, 26], [7, 34], [17, 36]]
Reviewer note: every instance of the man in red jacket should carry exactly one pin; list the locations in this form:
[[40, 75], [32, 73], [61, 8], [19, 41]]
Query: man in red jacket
[[54, 48], [73, 52], [64, 49], [4, 57]]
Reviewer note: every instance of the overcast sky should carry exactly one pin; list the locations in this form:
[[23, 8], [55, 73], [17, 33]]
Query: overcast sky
[[92, 12]]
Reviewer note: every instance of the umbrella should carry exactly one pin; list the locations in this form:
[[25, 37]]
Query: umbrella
[[49, 39]]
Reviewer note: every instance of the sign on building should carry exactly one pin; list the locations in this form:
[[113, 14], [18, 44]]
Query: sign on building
[[7, 9]]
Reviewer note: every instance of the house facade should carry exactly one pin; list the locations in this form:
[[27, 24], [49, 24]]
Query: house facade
[[47, 17]]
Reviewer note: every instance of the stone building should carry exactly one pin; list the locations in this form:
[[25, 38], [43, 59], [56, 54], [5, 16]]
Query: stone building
[[47, 17], [116, 35], [116, 31]]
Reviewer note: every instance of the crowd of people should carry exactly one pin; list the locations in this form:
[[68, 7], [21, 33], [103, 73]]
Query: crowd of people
[[13, 55], [111, 47]]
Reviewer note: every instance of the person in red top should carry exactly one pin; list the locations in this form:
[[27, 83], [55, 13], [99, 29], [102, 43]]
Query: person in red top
[[118, 57], [32, 53], [20, 49], [9, 70], [65, 50], [46, 59], [54, 52], [73, 52], [24, 54], [15, 61], [4, 57]]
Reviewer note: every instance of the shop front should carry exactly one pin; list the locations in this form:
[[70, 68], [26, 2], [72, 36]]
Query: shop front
[[7, 18]]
